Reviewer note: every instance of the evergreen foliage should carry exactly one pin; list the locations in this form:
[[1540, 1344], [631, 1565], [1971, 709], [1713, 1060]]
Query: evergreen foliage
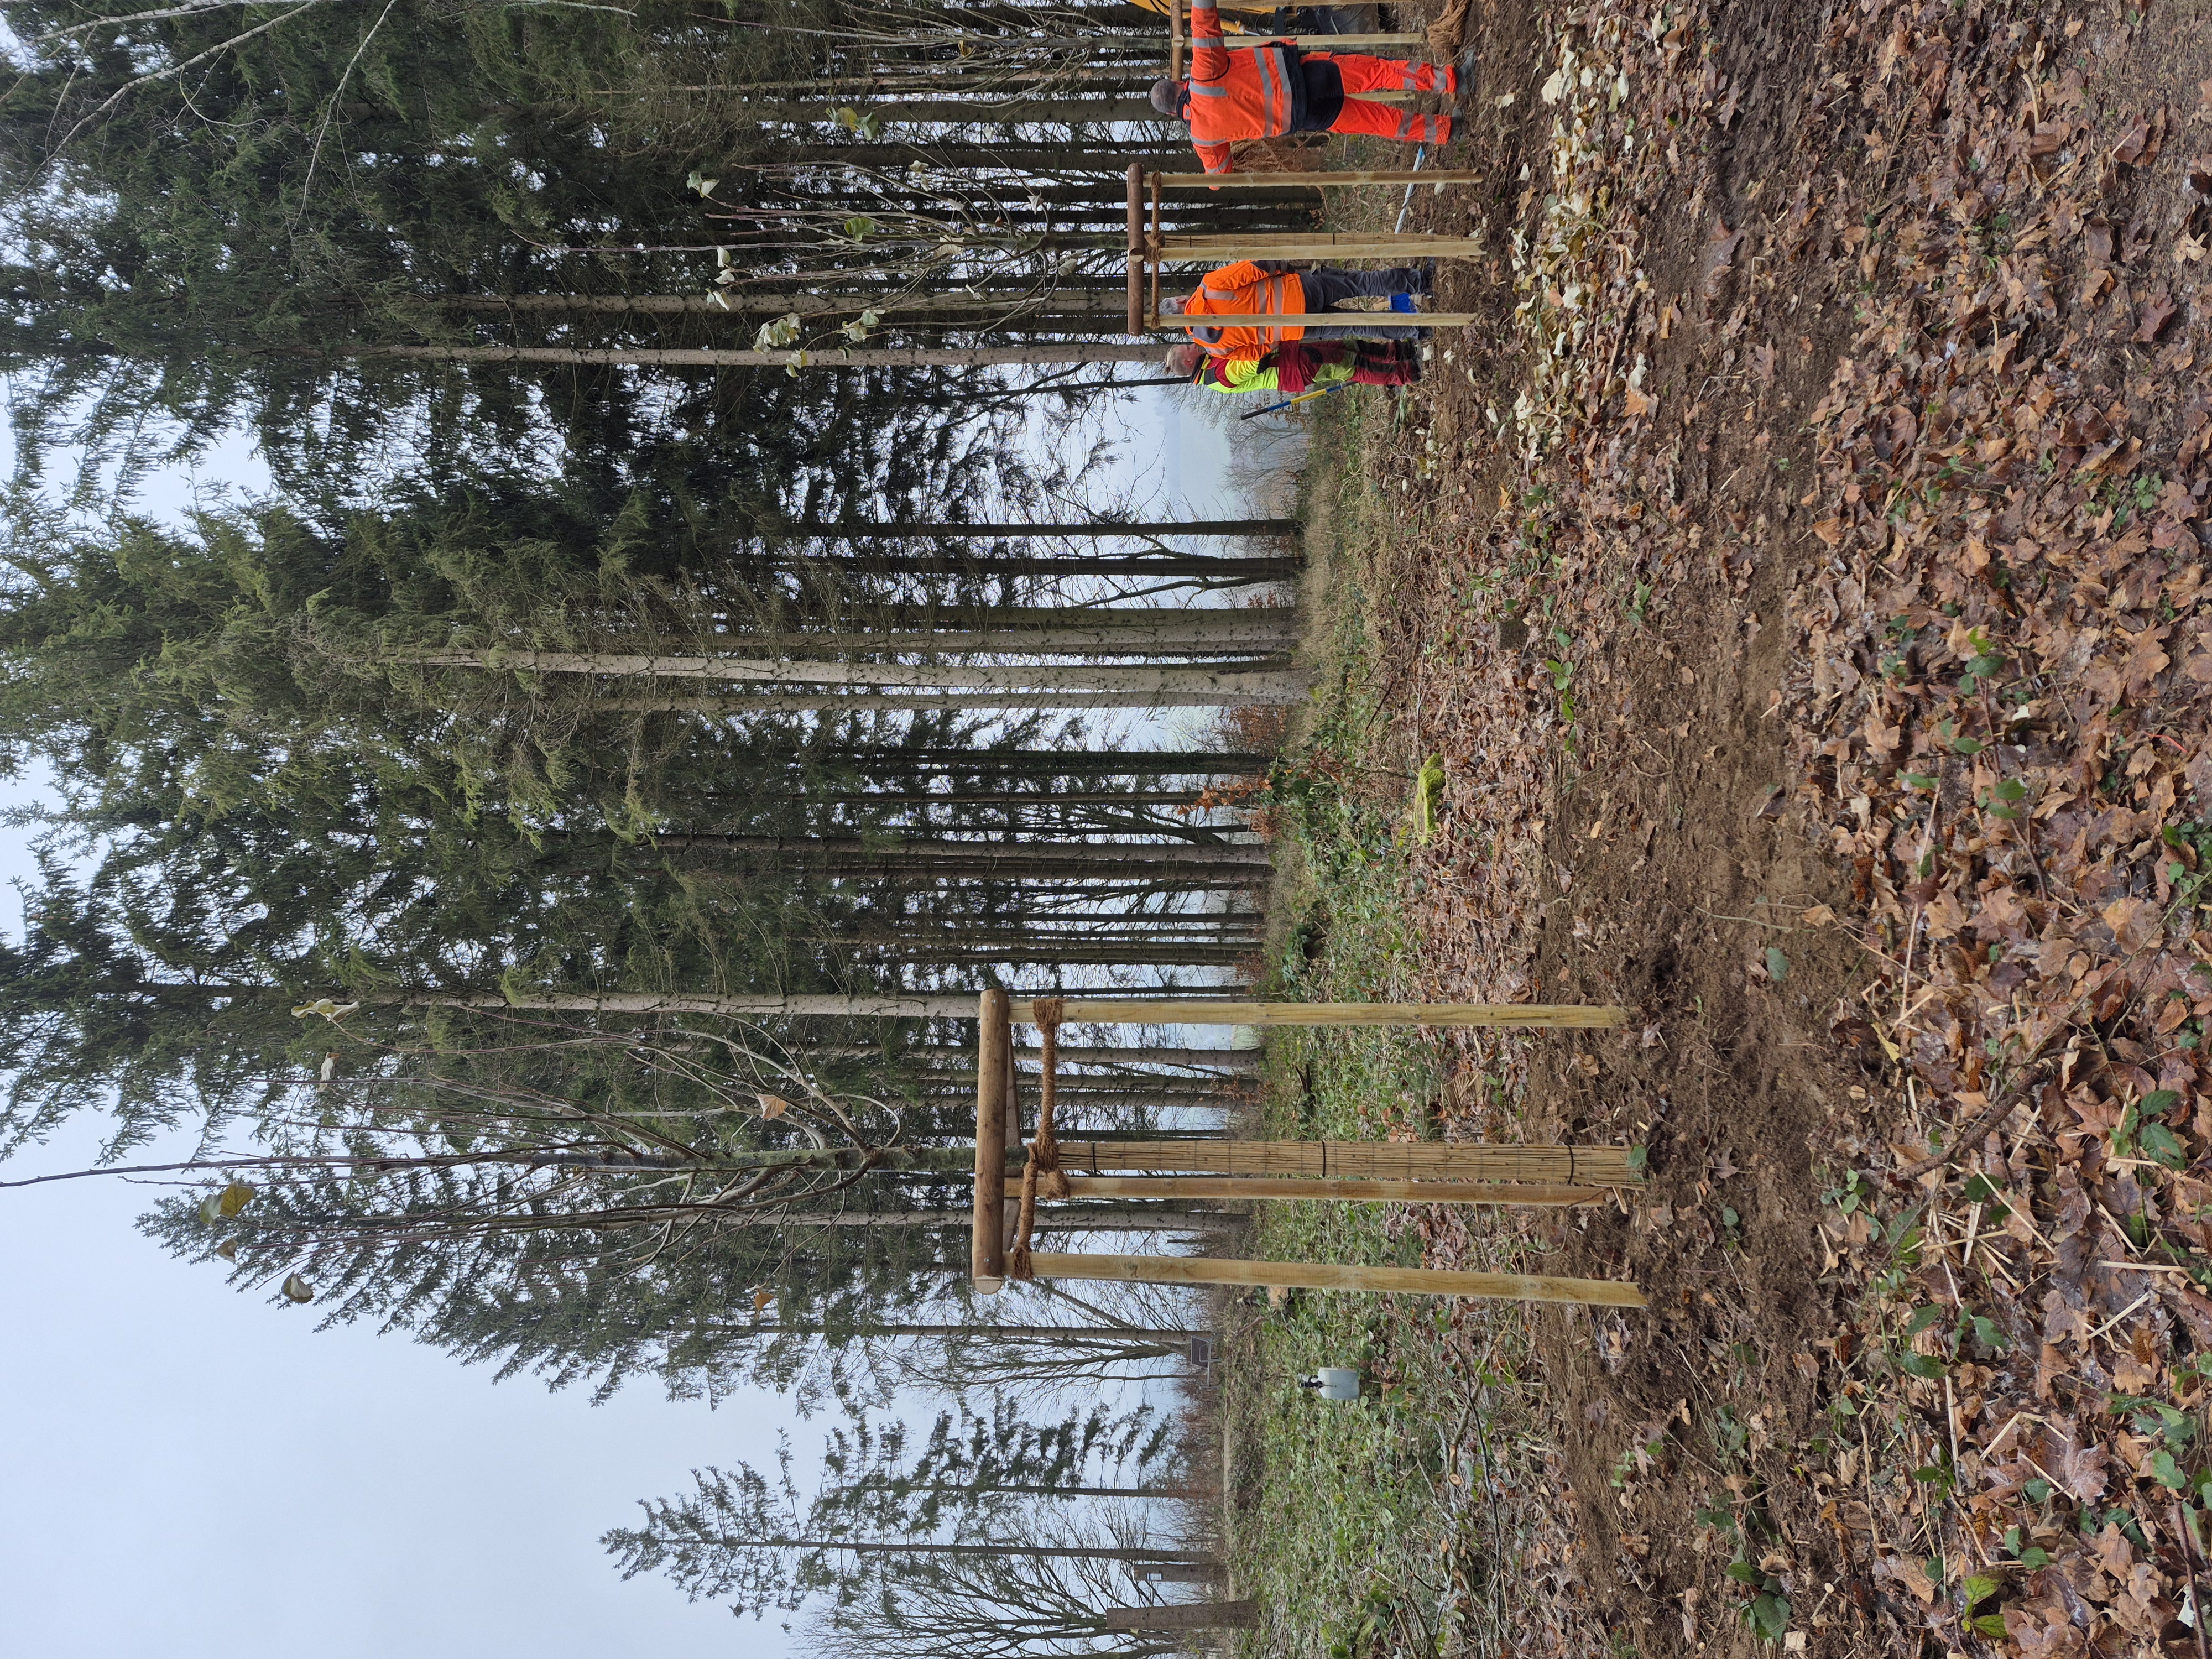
[[219, 213], [882, 1506]]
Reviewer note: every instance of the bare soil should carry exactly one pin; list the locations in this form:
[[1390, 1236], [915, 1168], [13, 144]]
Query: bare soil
[[1604, 636]]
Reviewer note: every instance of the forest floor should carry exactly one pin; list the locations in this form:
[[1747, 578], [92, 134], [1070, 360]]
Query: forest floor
[[1798, 580]]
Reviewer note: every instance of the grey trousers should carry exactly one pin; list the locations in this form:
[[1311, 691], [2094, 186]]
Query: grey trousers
[[1325, 286]]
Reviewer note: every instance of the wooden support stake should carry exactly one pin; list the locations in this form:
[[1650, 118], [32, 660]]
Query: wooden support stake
[[1199, 1011], [1335, 1276], [1175, 40], [1271, 1187], [994, 1060], [1360, 1160], [1136, 248]]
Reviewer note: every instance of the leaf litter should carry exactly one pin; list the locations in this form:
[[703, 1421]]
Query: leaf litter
[[1862, 426]]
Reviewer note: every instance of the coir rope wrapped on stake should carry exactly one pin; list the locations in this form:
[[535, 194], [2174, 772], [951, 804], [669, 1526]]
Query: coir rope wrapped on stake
[[1040, 1176]]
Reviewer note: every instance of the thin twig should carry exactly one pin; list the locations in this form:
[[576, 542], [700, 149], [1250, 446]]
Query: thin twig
[[330, 110], [1973, 1136]]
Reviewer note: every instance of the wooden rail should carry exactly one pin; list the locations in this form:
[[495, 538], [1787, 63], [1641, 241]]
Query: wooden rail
[[1200, 1012], [1360, 1160], [1335, 1276], [1270, 1187]]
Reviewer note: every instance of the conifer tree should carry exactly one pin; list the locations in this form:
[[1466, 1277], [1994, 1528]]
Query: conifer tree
[[886, 1511]]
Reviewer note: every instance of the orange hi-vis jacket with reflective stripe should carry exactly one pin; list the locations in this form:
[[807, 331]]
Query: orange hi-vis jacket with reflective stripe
[[1244, 288], [1244, 94]]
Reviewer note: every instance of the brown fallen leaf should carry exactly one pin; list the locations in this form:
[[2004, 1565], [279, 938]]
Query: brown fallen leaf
[[1914, 1577], [2155, 316], [1719, 258], [1819, 916], [2129, 149], [2080, 1470], [2134, 921]]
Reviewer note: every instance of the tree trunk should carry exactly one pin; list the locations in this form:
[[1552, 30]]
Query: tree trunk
[[1021, 1550], [1072, 954], [1134, 797], [963, 1060], [1089, 527], [1236, 682], [876, 762], [1186, 1616], [865, 702], [1111, 304], [1043, 1333], [1025, 112], [703, 357], [1272, 628], [1065, 855], [1200, 571], [959, 1005]]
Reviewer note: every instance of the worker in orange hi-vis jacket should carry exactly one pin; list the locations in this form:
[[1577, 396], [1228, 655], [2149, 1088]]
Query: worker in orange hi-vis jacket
[[1264, 90], [1271, 288]]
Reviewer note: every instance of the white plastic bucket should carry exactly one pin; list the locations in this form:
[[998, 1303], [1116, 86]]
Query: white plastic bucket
[[1337, 1382]]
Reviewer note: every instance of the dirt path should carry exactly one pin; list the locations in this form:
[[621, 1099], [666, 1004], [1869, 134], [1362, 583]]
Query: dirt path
[[1799, 584]]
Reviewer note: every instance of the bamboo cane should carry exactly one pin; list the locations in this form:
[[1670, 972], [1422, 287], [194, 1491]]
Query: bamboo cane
[[1111, 1011], [1268, 1186], [1335, 1276], [1360, 1160]]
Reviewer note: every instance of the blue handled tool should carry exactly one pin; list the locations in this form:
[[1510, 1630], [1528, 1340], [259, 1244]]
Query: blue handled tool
[[1303, 397]]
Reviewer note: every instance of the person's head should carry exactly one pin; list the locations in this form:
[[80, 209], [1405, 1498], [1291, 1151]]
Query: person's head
[[1169, 97], [1183, 360]]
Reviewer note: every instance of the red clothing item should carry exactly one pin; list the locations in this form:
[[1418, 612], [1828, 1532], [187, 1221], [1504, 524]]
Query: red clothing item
[[1369, 119], [1244, 94], [1247, 93], [1244, 288]]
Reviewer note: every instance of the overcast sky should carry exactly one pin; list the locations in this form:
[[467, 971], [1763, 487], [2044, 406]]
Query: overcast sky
[[188, 1471]]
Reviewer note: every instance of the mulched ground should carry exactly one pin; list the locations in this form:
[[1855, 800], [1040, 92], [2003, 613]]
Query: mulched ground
[[1799, 583]]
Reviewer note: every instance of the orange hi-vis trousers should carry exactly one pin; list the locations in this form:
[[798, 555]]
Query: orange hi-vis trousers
[[1370, 119]]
